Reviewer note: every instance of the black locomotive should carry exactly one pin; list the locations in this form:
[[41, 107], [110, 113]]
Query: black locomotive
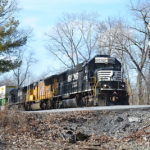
[[97, 82]]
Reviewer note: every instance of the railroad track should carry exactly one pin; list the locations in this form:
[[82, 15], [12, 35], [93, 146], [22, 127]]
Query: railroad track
[[98, 108]]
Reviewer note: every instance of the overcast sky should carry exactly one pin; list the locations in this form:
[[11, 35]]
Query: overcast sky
[[41, 15]]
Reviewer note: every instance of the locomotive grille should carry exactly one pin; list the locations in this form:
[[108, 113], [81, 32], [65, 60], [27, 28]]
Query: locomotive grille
[[109, 75]]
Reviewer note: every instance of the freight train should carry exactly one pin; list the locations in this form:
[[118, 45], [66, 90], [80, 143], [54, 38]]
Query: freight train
[[97, 82]]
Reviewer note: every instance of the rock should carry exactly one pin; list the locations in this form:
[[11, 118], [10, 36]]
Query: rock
[[134, 119], [125, 127], [119, 119], [147, 129], [81, 136], [145, 138], [69, 136]]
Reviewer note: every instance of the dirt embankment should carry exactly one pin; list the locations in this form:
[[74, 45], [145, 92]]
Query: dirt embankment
[[107, 130]]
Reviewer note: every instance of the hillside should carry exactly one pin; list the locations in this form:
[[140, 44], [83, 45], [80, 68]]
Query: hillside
[[105, 130]]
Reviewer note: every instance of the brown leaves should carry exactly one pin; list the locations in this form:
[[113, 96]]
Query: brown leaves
[[74, 130]]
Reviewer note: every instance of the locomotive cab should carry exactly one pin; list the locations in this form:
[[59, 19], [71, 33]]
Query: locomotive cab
[[110, 89]]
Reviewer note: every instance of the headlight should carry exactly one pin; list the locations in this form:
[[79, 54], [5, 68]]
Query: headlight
[[122, 85], [106, 86]]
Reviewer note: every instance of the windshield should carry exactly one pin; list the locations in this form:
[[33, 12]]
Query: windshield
[[108, 67]]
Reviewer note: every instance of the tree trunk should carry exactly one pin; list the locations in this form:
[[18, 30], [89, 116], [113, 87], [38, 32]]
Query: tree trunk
[[140, 89], [147, 101]]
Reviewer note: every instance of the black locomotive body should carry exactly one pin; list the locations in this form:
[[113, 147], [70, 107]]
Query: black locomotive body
[[97, 82]]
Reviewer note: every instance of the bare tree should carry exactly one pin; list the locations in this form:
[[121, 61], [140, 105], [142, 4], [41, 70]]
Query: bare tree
[[131, 41], [74, 39], [23, 71], [7, 80]]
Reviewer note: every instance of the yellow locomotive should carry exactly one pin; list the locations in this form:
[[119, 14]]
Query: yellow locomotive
[[40, 92]]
